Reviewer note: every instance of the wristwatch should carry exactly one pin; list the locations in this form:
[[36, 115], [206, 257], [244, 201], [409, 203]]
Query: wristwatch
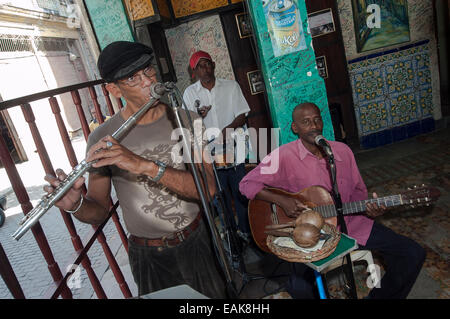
[[161, 170]]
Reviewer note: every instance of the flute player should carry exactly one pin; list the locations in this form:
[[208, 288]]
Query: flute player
[[168, 243]]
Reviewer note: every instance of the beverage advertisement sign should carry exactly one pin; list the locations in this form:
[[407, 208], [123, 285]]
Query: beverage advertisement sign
[[285, 26]]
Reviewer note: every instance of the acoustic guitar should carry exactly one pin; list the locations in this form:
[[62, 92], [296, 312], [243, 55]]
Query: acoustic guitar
[[262, 213]]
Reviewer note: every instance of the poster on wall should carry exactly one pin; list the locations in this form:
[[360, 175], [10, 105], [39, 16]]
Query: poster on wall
[[321, 22], [243, 24], [321, 63], [380, 23], [285, 26], [255, 81]]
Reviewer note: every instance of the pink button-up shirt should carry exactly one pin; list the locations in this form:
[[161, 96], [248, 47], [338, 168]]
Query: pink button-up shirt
[[292, 168]]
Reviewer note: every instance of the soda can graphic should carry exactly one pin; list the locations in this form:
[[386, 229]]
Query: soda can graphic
[[287, 31], [266, 4]]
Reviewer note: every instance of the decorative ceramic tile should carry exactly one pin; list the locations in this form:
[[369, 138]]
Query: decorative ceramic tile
[[373, 116], [425, 101], [399, 76], [403, 109], [368, 84], [391, 89]]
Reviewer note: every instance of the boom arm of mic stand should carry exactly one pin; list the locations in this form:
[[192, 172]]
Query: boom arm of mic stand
[[230, 287]]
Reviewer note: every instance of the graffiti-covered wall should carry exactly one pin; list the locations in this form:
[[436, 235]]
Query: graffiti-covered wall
[[288, 62], [202, 34]]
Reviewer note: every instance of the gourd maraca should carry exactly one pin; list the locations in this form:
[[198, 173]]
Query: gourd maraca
[[305, 230], [306, 235], [310, 217]]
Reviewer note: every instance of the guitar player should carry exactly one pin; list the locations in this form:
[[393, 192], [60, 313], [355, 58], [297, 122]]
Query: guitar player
[[302, 164]]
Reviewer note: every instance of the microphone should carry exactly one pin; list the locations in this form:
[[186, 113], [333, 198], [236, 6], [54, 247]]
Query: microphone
[[157, 90], [197, 105], [322, 142]]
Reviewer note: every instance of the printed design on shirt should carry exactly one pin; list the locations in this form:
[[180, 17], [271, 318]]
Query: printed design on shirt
[[163, 203]]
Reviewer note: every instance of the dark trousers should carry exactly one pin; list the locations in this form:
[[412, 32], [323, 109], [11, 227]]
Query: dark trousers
[[229, 181], [403, 258], [191, 262]]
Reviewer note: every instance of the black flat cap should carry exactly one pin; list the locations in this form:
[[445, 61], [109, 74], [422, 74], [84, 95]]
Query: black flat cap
[[121, 59]]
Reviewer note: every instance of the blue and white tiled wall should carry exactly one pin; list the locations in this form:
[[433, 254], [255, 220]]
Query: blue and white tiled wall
[[392, 94], [396, 92]]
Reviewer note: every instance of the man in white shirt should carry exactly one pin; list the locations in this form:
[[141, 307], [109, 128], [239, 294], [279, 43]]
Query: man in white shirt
[[222, 106]]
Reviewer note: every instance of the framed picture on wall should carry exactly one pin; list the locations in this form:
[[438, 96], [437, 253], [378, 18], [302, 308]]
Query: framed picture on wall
[[380, 24], [244, 25], [255, 81], [321, 63], [321, 22]]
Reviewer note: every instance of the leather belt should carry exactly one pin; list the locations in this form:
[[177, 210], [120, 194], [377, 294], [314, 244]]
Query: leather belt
[[170, 240]]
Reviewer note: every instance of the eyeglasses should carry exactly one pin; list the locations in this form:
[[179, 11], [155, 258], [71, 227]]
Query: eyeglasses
[[136, 78]]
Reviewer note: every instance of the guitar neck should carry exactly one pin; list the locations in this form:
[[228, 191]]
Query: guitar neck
[[328, 211]]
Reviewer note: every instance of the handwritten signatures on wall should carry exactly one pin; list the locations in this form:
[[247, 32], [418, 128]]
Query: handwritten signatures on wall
[[203, 34], [184, 8]]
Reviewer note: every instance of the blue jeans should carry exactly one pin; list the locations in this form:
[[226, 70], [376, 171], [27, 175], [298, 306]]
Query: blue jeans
[[403, 258], [229, 180]]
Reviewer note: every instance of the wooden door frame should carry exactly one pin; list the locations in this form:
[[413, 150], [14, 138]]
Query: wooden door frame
[[348, 111], [13, 135]]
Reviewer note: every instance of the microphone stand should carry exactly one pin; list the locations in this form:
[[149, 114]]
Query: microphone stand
[[348, 270], [228, 223], [236, 253], [231, 290]]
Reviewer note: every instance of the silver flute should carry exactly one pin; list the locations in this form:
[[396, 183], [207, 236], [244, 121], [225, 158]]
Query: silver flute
[[157, 90]]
